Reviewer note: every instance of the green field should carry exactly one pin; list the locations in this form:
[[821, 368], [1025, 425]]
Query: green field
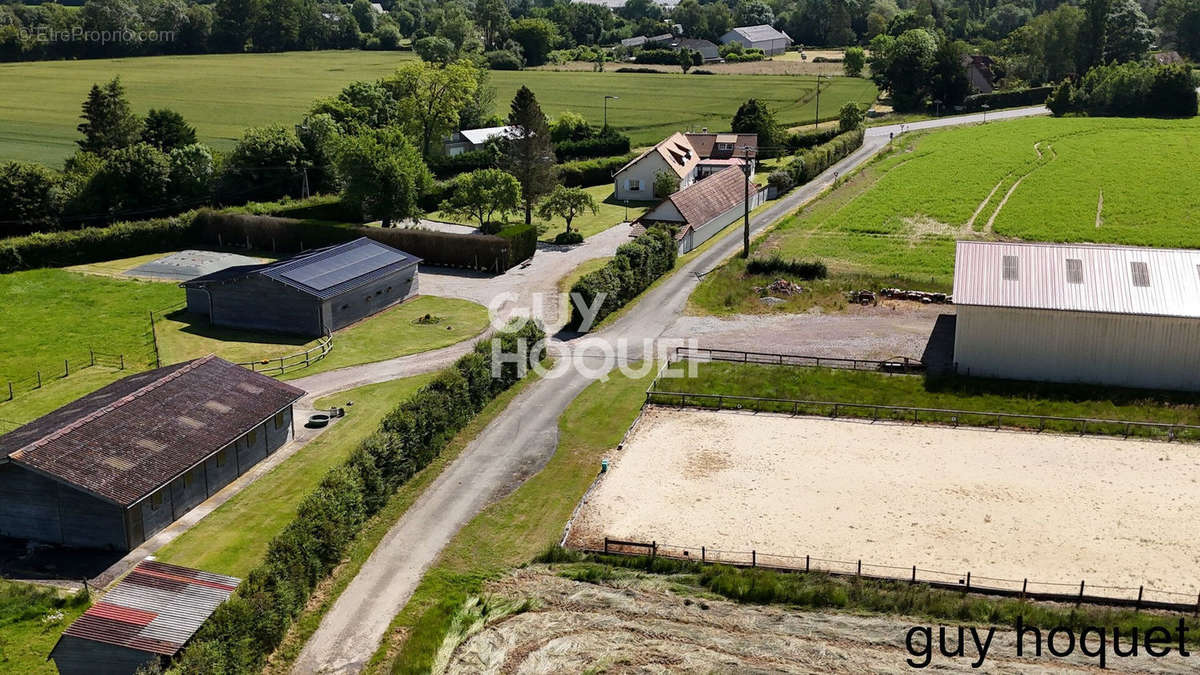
[[902, 214], [221, 94], [31, 620]]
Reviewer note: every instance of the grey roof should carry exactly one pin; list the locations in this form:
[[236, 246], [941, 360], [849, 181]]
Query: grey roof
[[760, 33], [1102, 278], [325, 272]]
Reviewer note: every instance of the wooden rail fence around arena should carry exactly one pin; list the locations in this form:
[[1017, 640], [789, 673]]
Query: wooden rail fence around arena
[[899, 364], [282, 364], [1116, 596], [41, 378]]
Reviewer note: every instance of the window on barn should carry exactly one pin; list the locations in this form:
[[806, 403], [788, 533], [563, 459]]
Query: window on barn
[[279, 420], [222, 457], [189, 478], [1141, 273], [1074, 271], [1010, 268], [155, 501], [252, 438]]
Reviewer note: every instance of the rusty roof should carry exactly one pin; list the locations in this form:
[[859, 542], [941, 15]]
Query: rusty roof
[[124, 441], [156, 608], [1078, 277]]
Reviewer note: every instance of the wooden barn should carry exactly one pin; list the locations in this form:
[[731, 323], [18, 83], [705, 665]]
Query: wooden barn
[[314, 293], [112, 468], [148, 616]]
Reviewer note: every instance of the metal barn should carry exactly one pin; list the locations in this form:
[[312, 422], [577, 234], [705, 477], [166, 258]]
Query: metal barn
[[148, 616], [314, 293], [110, 469], [1114, 315]]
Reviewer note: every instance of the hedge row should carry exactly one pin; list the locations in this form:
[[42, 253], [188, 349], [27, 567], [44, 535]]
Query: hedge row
[[634, 267], [803, 140], [1129, 90], [94, 244], [447, 167], [1007, 99], [591, 172], [600, 145], [247, 628], [473, 251], [329, 208], [810, 163], [522, 242]]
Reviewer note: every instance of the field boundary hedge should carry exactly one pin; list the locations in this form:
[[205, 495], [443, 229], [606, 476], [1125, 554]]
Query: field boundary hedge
[[246, 629], [1007, 99], [810, 163], [588, 173], [633, 268]]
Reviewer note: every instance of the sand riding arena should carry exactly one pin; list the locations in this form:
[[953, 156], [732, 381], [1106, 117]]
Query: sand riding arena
[[1004, 506]]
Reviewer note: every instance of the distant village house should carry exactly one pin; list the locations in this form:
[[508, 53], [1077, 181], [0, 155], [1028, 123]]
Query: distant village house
[[763, 37]]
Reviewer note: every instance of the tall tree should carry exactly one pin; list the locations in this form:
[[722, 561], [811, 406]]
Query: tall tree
[[753, 117], [1129, 34], [166, 130], [484, 194], [429, 99], [529, 154], [1095, 32], [384, 175], [108, 123], [1179, 21], [492, 16]]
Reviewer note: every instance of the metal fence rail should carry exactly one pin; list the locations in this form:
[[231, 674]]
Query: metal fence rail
[[900, 364], [1082, 592], [938, 416]]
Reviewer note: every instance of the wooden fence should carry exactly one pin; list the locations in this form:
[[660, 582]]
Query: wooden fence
[[41, 378], [1082, 592], [1168, 431], [900, 364], [284, 364]]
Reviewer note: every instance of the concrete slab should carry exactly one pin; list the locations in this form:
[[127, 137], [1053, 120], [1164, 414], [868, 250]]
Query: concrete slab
[[186, 265]]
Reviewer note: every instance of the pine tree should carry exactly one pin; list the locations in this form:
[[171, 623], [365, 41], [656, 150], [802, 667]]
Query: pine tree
[[529, 155], [108, 123]]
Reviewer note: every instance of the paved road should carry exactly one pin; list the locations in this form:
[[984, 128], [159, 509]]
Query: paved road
[[523, 438]]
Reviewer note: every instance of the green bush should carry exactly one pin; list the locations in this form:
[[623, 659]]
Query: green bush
[[634, 267], [802, 140], [1130, 90], [810, 163], [1007, 99], [591, 172], [243, 631], [777, 265], [567, 238], [522, 242], [93, 244], [604, 144]]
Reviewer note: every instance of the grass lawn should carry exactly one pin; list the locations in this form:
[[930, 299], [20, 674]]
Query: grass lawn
[[950, 392], [901, 215], [516, 529], [730, 290], [374, 530], [31, 620], [233, 538], [611, 212], [29, 405], [221, 94]]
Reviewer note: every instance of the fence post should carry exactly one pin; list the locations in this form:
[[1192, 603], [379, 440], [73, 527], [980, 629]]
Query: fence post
[[968, 581], [703, 554], [154, 339], [606, 545], [1024, 585], [92, 355], [10, 391], [122, 361], [654, 549], [859, 573], [1080, 600], [753, 558], [1083, 428], [914, 578], [39, 380], [1138, 604]]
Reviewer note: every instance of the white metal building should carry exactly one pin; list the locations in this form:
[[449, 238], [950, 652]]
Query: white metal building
[[1115, 315]]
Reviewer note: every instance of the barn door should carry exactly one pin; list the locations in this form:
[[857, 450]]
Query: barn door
[[137, 531]]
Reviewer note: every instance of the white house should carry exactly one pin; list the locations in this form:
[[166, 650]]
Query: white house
[[1112, 315], [762, 37], [474, 139], [706, 207], [635, 180]]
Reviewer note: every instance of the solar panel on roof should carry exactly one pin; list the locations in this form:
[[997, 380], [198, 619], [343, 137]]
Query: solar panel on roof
[[342, 267]]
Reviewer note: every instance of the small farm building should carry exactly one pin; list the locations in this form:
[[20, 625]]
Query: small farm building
[[110, 469], [707, 50], [763, 37], [469, 140], [1112, 315], [148, 616], [314, 293], [980, 72], [704, 208]]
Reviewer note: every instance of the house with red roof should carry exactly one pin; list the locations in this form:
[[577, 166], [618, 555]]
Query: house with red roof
[[706, 207]]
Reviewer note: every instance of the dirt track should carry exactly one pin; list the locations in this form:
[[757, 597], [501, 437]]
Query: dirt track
[[637, 625]]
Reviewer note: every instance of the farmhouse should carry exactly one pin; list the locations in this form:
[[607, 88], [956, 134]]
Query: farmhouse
[[116, 466], [635, 180], [708, 50], [469, 140], [147, 617], [314, 293], [718, 152], [704, 208], [762, 37], [980, 73], [1112, 315]]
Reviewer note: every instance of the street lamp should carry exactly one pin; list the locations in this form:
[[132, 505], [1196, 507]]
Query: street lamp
[[817, 117], [606, 97]]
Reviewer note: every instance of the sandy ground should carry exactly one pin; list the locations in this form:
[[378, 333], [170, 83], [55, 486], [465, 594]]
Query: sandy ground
[[896, 329], [638, 625], [1001, 505]]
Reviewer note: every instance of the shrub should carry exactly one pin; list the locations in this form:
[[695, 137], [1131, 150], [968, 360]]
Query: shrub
[[605, 144], [445, 167], [777, 265], [807, 165], [243, 631], [638, 70], [657, 57], [1007, 99], [591, 172], [781, 181], [703, 72], [802, 140], [522, 242], [634, 267], [93, 244], [1131, 90], [572, 237], [502, 59]]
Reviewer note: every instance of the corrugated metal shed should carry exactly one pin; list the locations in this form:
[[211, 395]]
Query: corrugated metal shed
[[126, 440], [1078, 277], [760, 33], [157, 608]]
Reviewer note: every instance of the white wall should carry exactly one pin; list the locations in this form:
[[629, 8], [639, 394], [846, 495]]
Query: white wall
[[645, 170], [1059, 346], [703, 232]]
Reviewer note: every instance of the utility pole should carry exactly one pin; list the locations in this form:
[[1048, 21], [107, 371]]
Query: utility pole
[[606, 97], [746, 203], [817, 117]]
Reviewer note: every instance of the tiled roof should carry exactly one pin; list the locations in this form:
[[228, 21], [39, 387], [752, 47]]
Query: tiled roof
[[124, 441], [1078, 277], [156, 608], [705, 143], [324, 272], [676, 151], [706, 199]]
